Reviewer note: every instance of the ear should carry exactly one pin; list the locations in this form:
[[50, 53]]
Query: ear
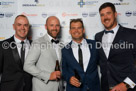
[[13, 26], [116, 14], [83, 30], [70, 32], [45, 26]]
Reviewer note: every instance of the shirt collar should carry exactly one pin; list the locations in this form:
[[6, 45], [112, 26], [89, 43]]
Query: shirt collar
[[50, 37], [18, 40], [82, 42], [115, 29]]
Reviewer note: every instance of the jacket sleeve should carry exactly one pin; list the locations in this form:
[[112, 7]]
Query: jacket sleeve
[[1, 58], [30, 63], [1, 62]]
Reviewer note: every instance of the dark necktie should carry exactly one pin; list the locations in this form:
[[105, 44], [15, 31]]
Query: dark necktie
[[110, 31], [55, 41], [22, 52], [80, 55]]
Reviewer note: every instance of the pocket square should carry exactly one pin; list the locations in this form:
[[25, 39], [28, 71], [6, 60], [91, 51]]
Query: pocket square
[[121, 41]]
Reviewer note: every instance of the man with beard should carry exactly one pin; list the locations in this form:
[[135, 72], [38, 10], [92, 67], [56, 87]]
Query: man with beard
[[79, 61], [116, 63], [41, 59]]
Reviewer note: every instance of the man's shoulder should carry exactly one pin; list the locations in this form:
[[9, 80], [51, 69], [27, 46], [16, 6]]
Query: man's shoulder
[[129, 29], [40, 39], [90, 41], [7, 41], [67, 46], [99, 33], [5, 44]]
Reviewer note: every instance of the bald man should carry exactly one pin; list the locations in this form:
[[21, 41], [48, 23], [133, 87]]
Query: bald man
[[41, 59], [14, 78]]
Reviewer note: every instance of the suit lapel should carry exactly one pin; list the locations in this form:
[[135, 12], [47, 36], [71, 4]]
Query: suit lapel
[[91, 49], [101, 50], [73, 59], [116, 40], [51, 49], [15, 53]]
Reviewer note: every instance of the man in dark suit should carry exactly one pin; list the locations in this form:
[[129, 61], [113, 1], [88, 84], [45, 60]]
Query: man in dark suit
[[79, 61], [117, 51], [12, 55]]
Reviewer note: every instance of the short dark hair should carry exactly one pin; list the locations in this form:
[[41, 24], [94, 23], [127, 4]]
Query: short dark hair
[[77, 20], [108, 4]]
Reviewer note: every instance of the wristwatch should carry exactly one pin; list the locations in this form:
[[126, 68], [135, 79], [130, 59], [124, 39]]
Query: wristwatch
[[127, 85]]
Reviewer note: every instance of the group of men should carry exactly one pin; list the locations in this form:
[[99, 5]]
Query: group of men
[[33, 69]]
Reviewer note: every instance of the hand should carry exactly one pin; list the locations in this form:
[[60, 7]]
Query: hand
[[55, 75], [120, 87], [74, 81]]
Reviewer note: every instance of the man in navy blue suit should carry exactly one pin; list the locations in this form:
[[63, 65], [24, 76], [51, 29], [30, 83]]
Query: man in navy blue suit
[[117, 62], [79, 61]]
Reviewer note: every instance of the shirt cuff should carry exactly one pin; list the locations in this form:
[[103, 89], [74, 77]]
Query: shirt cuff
[[130, 82]]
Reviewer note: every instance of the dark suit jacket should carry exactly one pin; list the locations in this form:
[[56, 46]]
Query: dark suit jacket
[[89, 79], [13, 77], [121, 61]]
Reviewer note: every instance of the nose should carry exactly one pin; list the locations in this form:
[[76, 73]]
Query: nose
[[23, 27], [105, 16], [76, 29], [54, 27]]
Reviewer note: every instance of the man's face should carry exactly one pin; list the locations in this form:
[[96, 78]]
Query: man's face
[[21, 27], [77, 31], [53, 27], [108, 18]]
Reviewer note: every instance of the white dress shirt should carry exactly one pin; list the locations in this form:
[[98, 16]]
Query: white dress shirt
[[107, 40], [85, 52], [26, 46]]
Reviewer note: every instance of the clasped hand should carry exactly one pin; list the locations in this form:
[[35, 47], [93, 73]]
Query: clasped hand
[[55, 75], [74, 81]]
